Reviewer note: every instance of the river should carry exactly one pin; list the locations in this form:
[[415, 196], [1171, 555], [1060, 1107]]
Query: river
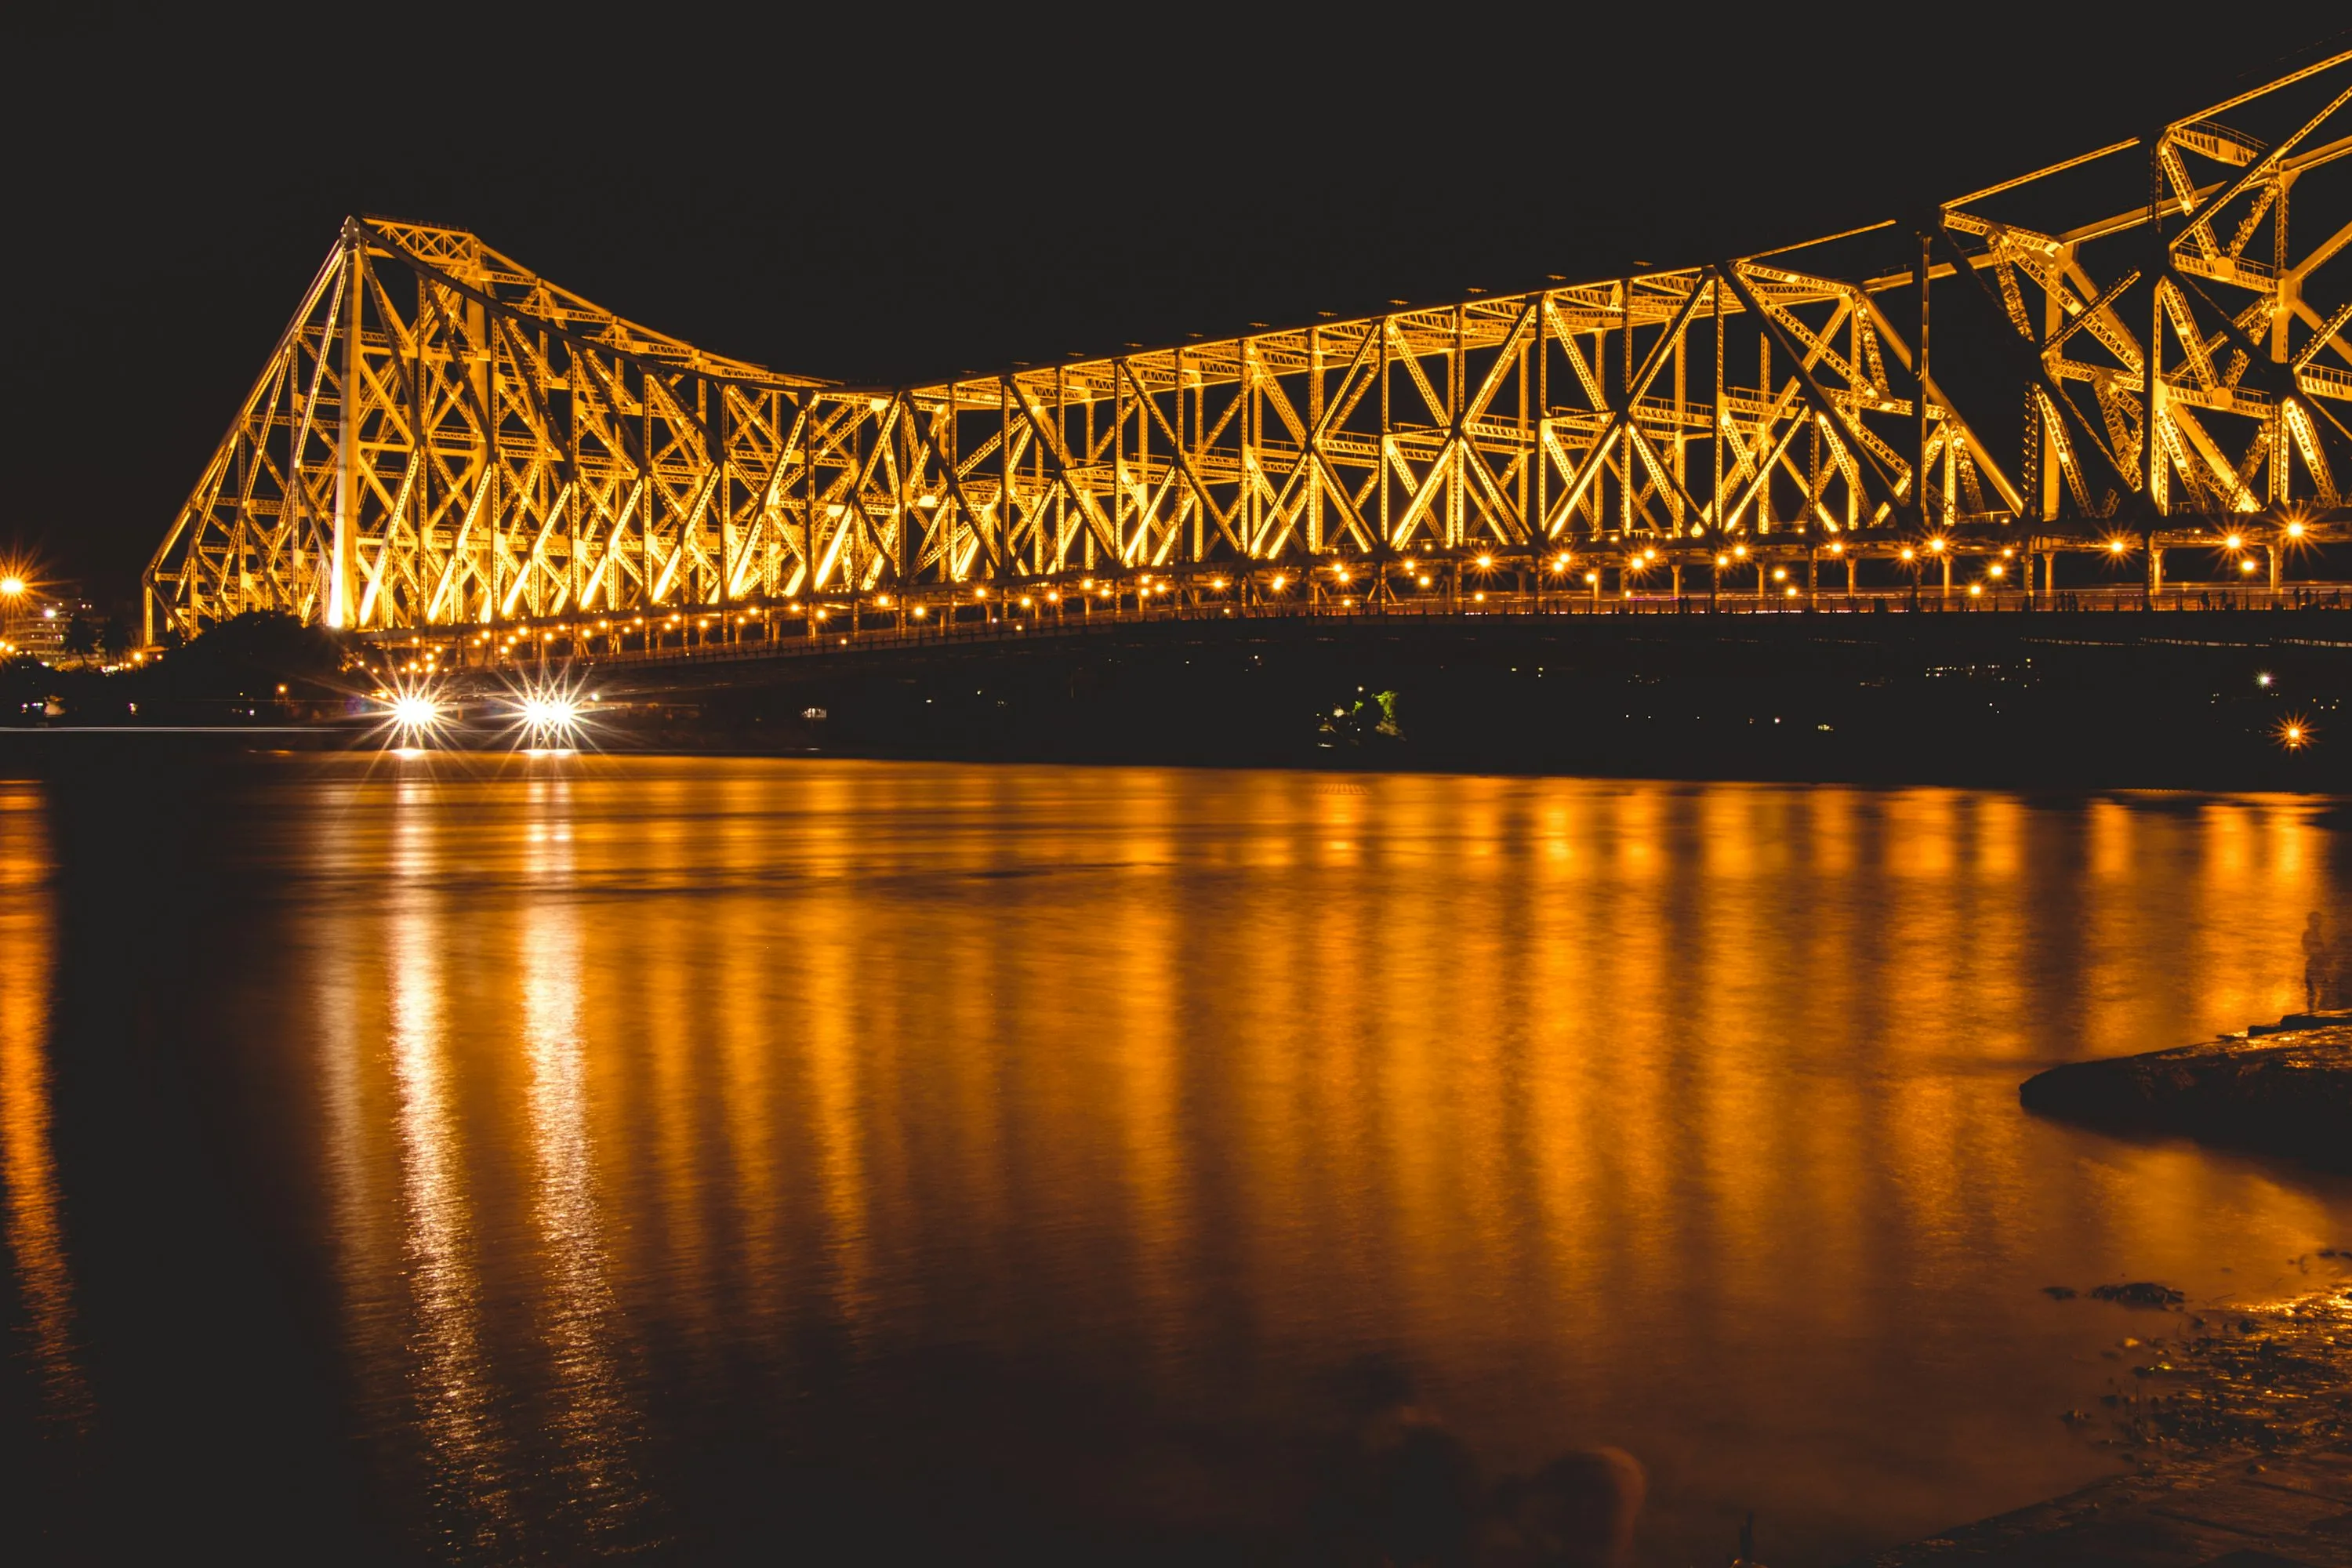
[[531, 1160]]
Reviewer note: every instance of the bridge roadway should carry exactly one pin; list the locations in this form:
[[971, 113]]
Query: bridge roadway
[[771, 632]]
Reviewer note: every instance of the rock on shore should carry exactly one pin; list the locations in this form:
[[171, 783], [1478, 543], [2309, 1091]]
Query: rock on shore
[[2283, 1089]]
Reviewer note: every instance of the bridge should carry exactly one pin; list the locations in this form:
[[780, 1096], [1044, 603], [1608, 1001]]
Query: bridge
[[2027, 395]]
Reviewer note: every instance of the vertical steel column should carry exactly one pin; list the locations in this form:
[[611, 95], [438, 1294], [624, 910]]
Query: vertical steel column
[[341, 578], [2151, 448], [1721, 412], [1004, 469], [1919, 362], [723, 493], [1540, 518], [1314, 437], [1388, 527]]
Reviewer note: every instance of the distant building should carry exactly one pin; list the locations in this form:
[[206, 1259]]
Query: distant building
[[38, 629]]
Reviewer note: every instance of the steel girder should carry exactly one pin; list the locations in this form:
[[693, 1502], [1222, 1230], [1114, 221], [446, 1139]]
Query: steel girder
[[443, 439]]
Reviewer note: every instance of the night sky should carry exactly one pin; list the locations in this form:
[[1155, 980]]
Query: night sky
[[886, 198]]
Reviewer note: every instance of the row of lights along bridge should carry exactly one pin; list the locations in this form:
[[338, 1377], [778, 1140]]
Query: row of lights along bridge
[[1482, 583]]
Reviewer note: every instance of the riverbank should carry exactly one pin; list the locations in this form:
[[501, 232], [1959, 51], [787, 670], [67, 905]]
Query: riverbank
[[2225, 701], [2191, 701], [2237, 1423]]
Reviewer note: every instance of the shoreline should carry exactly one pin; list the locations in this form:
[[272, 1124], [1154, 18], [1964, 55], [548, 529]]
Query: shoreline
[[2240, 1432]]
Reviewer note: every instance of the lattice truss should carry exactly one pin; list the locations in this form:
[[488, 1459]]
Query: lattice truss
[[443, 438]]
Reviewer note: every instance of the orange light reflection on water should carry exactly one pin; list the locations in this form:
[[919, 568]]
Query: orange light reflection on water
[[1679, 1116], [28, 1168]]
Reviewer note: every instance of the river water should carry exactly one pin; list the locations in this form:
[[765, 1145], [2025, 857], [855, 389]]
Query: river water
[[528, 1161]]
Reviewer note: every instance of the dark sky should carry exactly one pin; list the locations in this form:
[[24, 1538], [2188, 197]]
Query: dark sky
[[881, 196]]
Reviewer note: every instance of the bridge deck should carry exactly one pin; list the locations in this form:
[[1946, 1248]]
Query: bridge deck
[[777, 632]]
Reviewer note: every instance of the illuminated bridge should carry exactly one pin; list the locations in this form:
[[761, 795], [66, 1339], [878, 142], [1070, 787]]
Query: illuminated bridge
[[2034, 392]]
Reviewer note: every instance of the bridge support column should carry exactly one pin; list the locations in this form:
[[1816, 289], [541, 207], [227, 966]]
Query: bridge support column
[[2273, 552]]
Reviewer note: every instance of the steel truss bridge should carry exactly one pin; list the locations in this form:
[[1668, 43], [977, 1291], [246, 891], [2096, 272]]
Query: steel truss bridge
[[2139, 348]]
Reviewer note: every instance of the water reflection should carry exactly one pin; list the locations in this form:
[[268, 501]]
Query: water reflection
[[29, 1171], [460, 1405], [590, 1422], [720, 1152]]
